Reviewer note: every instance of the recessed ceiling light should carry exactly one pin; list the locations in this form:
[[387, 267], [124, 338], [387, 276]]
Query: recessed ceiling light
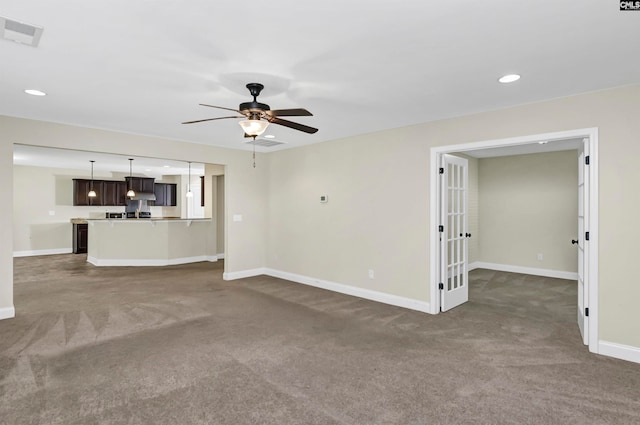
[[34, 92], [147, 169], [543, 143], [167, 166], [269, 136], [509, 78]]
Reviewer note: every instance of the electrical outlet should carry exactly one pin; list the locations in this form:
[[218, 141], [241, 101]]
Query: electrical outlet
[[372, 274], [539, 257]]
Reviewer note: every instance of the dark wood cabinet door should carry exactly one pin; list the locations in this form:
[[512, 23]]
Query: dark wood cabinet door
[[159, 189], [80, 238], [141, 184], [147, 184], [165, 195], [170, 197], [110, 192], [121, 193], [81, 188]]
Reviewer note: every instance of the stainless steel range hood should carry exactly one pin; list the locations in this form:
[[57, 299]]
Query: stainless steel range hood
[[144, 196]]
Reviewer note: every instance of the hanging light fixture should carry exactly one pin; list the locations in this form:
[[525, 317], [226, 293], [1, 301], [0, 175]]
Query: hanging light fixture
[[254, 126], [92, 193], [131, 192], [189, 193]]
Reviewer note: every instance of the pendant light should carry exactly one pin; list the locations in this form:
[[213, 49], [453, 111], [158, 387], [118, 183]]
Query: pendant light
[[130, 193], [189, 193], [92, 193]]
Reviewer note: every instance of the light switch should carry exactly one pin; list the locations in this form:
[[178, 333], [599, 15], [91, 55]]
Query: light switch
[[237, 217]]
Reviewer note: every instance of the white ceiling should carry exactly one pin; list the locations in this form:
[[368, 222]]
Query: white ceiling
[[143, 66]]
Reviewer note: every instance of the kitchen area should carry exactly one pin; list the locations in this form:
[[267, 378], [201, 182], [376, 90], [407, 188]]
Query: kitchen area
[[120, 211]]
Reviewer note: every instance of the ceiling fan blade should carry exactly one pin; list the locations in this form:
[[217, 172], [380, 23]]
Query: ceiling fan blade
[[292, 124], [220, 107], [299, 112], [211, 119]]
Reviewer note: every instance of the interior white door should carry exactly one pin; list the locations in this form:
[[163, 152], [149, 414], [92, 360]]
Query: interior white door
[[454, 288], [583, 247]]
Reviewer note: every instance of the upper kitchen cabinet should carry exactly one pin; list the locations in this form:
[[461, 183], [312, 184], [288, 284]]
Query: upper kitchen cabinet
[[165, 195], [114, 193], [81, 188], [140, 184]]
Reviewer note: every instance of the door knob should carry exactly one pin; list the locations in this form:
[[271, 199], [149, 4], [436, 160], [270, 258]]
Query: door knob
[[573, 241], [468, 235]]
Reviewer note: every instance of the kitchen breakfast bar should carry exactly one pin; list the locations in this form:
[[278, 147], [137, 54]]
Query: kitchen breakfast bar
[[150, 241]]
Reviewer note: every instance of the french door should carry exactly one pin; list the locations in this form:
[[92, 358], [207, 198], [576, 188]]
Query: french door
[[453, 272], [583, 217]]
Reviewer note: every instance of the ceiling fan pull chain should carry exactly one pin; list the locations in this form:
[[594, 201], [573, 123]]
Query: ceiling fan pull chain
[[254, 151]]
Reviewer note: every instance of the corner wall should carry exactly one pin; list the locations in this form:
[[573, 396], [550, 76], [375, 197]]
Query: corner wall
[[378, 184], [529, 206]]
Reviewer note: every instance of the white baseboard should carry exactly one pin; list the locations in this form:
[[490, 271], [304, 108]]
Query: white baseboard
[[7, 313], [367, 294], [524, 270], [244, 273], [149, 262], [220, 256], [42, 252], [619, 351], [381, 297]]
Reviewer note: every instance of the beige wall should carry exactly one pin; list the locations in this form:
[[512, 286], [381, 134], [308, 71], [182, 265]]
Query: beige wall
[[377, 216], [529, 205]]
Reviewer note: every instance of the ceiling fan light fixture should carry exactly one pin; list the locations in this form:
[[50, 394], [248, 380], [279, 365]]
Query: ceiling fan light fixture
[[254, 127]]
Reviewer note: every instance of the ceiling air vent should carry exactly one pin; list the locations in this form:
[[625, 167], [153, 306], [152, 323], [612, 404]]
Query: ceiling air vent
[[20, 32], [267, 143]]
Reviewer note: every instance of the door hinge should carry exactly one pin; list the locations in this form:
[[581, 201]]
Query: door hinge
[[441, 228], [441, 171], [441, 286], [586, 236], [586, 312], [586, 160]]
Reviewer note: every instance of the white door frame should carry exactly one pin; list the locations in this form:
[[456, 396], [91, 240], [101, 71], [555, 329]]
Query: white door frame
[[592, 227]]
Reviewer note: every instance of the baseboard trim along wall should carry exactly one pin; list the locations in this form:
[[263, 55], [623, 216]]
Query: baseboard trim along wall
[[42, 252], [221, 256], [148, 262], [524, 270], [367, 294], [7, 313], [619, 351]]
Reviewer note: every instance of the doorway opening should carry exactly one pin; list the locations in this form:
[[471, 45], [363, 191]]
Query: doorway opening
[[440, 270]]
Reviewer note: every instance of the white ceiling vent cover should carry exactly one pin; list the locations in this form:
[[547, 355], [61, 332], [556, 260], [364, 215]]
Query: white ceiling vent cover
[[265, 142], [20, 32]]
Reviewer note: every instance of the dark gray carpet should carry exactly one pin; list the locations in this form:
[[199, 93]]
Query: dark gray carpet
[[178, 345]]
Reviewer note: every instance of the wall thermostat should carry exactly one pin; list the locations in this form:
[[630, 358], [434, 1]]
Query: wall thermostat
[[324, 199]]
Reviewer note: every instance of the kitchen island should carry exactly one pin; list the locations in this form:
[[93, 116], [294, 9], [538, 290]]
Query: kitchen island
[[151, 241]]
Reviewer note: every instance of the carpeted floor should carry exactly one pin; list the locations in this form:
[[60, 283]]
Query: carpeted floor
[[178, 345]]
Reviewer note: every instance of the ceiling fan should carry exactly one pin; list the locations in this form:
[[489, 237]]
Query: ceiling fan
[[259, 115]]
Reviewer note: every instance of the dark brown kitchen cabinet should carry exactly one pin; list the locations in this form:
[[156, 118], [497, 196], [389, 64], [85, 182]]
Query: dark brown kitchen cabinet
[[80, 238], [140, 184], [81, 188], [165, 194], [115, 193]]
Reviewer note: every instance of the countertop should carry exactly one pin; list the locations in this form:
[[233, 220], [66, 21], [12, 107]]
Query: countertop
[[87, 220]]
